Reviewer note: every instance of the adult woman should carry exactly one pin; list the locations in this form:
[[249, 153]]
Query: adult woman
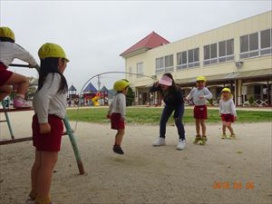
[[173, 99]]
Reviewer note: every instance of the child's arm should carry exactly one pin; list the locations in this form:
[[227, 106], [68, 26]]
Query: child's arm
[[42, 101], [122, 105], [233, 109], [22, 54], [190, 95], [110, 109], [207, 94]]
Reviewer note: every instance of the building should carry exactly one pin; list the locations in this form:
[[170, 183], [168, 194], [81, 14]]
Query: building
[[237, 55]]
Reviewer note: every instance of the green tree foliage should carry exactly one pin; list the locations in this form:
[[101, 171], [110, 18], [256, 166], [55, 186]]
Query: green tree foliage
[[130, 97]]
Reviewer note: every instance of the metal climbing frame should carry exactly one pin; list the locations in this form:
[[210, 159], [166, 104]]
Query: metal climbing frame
[[68, 132]]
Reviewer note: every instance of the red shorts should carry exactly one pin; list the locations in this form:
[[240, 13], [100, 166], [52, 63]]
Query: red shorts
[[227, 117], [116, 122], [200, 112], [51, 141], [4, 74]]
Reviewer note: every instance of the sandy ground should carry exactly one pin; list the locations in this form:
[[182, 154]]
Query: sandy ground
[[223, 171]]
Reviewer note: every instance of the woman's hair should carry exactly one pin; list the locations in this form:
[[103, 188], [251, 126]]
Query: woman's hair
[[50, 65], [5, 39]]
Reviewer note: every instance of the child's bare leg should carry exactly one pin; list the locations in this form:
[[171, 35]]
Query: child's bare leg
[[5, 91], [197, 124], [224, 127], [34, 175], [203, 126], [119, 136], [21, 81], [48, 161], [228, 124]]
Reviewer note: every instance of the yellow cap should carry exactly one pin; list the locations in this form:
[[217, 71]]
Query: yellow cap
[[201, 78], [226, 90], [120, 84], [7, 33], [51, 50]]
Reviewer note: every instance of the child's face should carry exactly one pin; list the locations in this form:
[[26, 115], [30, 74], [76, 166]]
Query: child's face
[[200, 84], [225, 94], [62, 65], [124, 91]]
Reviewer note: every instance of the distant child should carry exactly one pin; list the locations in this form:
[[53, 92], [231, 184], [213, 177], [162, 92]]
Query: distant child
[[117, 112], [50, 108], [227, 111], [9, 50], [199, 95]]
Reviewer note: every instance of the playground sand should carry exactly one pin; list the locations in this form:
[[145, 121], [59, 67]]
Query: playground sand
[[223, 171]]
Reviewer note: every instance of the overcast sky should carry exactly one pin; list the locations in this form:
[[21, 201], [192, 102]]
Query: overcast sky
[[95, 33]]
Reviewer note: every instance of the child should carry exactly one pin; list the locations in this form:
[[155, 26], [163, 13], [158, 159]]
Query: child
[[173, 99], [50, 108], [199, 95], [227, 111], [117, 112], [9, 50]]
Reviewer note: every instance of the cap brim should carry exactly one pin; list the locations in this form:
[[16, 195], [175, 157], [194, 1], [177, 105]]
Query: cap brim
[[164, 82]]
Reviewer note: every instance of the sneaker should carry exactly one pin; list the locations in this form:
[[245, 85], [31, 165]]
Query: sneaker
[[181, 144], [117, 149], [203, 140], [224, 136], [19, 102], [232, 136], [197, 139], [159, 142]]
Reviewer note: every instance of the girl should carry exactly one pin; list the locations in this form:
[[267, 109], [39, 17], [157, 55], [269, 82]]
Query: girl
[[173, 99], [227, 111], [117, 112], [9, 51], [50, 108], [199, 95]]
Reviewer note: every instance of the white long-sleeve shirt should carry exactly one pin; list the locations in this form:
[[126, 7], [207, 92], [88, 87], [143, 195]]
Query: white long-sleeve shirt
[[48, 101], [118, 104], [227, 107], [196, 93], [10, 51]]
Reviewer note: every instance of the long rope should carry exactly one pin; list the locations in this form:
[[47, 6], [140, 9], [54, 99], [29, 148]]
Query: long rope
[[104, 73]]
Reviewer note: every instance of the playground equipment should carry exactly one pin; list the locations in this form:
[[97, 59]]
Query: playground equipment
[[68, 132], [95, 101]]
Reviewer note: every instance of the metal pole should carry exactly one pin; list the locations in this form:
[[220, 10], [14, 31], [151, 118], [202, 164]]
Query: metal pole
[[74, 145]]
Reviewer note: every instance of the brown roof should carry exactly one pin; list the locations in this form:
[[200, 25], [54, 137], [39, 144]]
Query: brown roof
[[151, 41]]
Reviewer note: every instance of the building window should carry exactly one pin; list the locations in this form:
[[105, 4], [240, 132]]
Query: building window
[[266, 42], [140, 71], [193, 57], [182, 60], [169, 63], [159, 65], [226, 50], [249, 46], [210, 54], [164, 64], [187, 59]]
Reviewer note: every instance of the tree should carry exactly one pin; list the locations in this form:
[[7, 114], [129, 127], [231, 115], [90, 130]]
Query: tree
[[130, 97]]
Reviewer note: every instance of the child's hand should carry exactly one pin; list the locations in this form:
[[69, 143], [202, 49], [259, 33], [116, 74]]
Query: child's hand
[[45, 128], [122, 118], [108, 116], [201, 97], [235, 118]]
